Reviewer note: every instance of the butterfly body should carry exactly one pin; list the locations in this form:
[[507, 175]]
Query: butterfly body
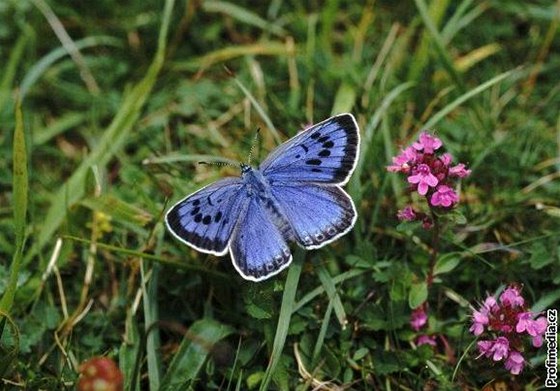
[[295, 195]]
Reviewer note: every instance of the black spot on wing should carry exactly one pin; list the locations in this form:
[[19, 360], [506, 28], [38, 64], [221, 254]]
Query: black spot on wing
[[348, 126], [313, 162], [324, 153], [210, 244]]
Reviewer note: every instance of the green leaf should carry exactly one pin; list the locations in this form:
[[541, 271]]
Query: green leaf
[[254, 379], [418, 294], [259, 302], [447, 263], [360, 353], [540, 256], [195, 348]]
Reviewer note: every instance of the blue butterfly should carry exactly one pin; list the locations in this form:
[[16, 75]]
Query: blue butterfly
[[295, 195]]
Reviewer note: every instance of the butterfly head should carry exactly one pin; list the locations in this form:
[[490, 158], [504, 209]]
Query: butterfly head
[[245, 168]]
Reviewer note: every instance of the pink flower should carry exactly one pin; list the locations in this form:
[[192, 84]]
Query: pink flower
[[485, 347], [490, 304], [500, 348], [424, 178], [427, 143], [406, 214], [403, 161], [535, 328], [512, 297], [540, 327], [426, 340], [418, 318], [480, 319], [444, 196], [446, 159], [459, 171], [515, 362]]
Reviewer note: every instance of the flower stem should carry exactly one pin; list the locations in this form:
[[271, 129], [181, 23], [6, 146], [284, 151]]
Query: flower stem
[[435, 247]]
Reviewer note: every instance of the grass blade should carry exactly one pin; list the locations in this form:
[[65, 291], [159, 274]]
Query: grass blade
[[20, 187], [286, 311], [270, 48], [243, 15], [151, 317], [130, 354], [334, 298], [10, 69], [9, 344], [260, 110]]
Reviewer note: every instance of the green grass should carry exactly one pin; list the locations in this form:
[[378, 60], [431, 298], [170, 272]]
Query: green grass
[[104, 139]]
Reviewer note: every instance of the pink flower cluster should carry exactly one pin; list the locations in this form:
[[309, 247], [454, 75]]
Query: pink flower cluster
[[419, 319], [429, 173], [509, 321]]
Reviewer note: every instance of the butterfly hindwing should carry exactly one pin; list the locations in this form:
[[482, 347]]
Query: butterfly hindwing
[[205, 219], [317, 214], [324, 153], [258, 247]]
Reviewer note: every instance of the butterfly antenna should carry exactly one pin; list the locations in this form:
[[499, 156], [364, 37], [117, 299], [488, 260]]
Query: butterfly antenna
[[253, 146], [220, 164]]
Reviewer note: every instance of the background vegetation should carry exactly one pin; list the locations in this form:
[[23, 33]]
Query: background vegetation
[[119, 100]]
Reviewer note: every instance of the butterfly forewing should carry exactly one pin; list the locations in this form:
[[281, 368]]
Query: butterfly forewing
[[324, 153], [205, 220], [317, 214], [258, 247]]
